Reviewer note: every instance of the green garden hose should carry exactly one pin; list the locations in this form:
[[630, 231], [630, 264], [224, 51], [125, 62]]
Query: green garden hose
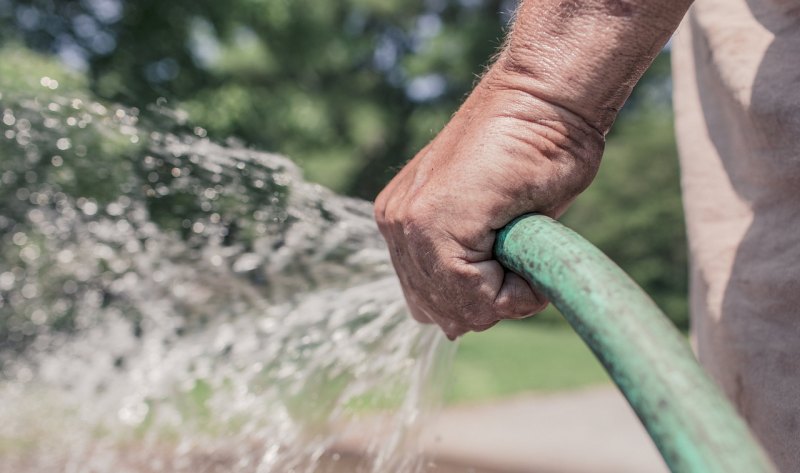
[[688, 417]]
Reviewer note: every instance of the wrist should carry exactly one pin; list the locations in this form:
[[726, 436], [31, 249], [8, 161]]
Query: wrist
[[561, 152], [524, 105], [586, 56]]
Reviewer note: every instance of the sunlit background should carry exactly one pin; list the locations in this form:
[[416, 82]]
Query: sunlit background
[[348, 90]]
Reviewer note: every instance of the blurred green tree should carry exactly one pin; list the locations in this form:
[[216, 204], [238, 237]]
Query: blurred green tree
[[633, 210], [351, 89]]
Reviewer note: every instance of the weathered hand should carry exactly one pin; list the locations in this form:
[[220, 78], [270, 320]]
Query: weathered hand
[[528, 139], [505, 153]]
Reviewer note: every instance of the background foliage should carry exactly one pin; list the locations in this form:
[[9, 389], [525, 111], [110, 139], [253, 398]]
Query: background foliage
[[351, 89]]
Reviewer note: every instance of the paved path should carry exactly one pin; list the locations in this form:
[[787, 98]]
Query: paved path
[[592, 431], [587, 431]]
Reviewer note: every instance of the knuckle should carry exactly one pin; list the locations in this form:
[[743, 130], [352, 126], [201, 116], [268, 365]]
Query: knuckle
[[476, 313], [418, 213], [379, 213], [379, 208]]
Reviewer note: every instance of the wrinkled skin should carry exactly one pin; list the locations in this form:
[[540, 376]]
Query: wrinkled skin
[[504, 153], [528, 139]]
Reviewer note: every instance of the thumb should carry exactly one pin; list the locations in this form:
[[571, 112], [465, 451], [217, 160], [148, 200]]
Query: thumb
[[516, 299]]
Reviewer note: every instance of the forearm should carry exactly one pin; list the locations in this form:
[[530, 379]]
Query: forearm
[[585, 56]]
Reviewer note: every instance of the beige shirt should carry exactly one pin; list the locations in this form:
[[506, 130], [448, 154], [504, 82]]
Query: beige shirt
[[736, 66]]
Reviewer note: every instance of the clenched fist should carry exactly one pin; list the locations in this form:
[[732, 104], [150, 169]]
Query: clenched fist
[[528, 139], [505, 153]]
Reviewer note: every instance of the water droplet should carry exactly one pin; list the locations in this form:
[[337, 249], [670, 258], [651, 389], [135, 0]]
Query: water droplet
[[7, 280], [39, 317], [63, 144], [23, 138], [114, 209], [23, 125], [133, 412], [19, 239], [246, 262], [29, 291], [30, 253], [23, 193], [89, 208], [36, 215], [8, 118], [65, 256]]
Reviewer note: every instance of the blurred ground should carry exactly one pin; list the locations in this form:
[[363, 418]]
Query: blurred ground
[[586, 431], [515, 357]]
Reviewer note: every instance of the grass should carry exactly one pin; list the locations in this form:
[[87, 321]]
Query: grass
[[522, 356]]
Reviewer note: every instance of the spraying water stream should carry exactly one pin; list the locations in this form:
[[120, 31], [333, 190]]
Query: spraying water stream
[[171, 304]]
